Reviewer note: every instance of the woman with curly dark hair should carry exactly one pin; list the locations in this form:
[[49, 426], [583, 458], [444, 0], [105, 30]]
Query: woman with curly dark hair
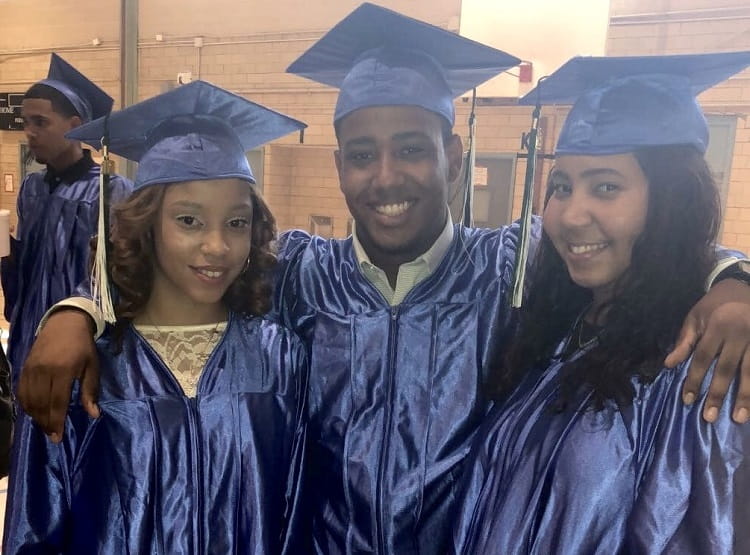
[[134, 266], [200, 440], [589, 448]]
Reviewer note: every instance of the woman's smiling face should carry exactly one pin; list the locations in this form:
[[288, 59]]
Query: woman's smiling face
[[596, 212]]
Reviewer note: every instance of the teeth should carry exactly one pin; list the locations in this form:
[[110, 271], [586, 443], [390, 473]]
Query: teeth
[[211, 274], [591, 247], [393, 209]]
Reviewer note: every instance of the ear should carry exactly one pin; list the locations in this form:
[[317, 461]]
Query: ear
[[75, 121], [454, 152]]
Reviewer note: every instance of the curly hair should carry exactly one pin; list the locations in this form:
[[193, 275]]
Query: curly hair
[[670, 261], [131, 259]]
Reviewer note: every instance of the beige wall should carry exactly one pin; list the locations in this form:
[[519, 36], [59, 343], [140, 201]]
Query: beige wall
[[247, 46]]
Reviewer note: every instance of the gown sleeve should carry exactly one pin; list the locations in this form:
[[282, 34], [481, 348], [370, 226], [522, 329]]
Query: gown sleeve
[[694, 494], [298, 531], [39, 489]]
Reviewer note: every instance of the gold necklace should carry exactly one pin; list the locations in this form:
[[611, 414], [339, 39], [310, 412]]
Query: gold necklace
[[581, 343], [208, 349]]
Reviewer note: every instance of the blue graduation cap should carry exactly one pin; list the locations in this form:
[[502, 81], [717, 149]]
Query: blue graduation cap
[[378, 57], [88, 99], [624, 103], [195, 132]]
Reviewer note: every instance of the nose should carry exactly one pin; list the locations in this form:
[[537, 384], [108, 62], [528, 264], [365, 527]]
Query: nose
[[388, 171], [576, 211], [214, 243]]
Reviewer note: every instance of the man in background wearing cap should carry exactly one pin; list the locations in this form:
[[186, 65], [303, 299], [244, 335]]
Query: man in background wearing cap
[[401, 318], [57, 207]]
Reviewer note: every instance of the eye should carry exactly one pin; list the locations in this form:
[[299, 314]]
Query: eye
[[360, 156], [34, 121], [188, 221], [607, 188], [238, 223], [560, 189], [411, 150]]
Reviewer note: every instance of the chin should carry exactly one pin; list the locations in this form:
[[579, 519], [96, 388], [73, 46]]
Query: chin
[[397, 246], [586, 282]]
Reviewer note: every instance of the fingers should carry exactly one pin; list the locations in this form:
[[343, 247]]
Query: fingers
[[741, 413], [57, 408], [705, 352], [724, 372], [33, 388], [689, 335], [90, 388]]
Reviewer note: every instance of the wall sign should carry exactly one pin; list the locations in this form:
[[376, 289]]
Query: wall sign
[[10, 112]]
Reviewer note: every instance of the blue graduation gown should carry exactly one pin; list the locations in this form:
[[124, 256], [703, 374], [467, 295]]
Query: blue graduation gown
[[394, 396], [650, 478], [51, 256], [163, 473]]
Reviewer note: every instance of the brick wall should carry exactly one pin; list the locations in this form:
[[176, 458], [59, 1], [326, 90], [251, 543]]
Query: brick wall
[[247, 50]]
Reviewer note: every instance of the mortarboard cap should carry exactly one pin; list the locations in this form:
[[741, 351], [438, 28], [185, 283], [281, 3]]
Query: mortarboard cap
[[195, 132], [88, 99], [624, 103], [378, 57]]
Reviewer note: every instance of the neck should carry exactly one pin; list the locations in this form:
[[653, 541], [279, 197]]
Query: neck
[[390, 261], [66, 158], [596, 314], [187, 314]]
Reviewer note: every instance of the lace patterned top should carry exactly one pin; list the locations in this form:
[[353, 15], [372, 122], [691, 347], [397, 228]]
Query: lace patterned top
[[184, 349]]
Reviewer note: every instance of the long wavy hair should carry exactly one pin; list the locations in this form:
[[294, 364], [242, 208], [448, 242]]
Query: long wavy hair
[[670, 262], [132, 257]]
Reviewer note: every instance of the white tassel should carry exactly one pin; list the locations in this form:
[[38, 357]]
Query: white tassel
[[100, 291]]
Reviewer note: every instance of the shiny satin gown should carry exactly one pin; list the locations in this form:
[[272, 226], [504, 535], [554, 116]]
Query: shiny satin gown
[[159, 472], [51, 256], [394, 391], [650, 478]]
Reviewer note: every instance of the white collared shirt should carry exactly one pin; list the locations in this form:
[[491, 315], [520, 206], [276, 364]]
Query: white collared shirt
[[410, 273]]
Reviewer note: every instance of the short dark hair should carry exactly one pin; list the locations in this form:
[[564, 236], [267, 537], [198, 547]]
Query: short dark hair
[[60, 103]]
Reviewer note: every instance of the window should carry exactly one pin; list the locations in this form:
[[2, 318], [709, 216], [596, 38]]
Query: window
[[494, 177], [322, 226], [722, 135], [27, 162], [255, 158]]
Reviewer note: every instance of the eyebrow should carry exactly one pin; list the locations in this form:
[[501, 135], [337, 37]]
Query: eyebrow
[[186, 204], [591, 172], [403, 136]]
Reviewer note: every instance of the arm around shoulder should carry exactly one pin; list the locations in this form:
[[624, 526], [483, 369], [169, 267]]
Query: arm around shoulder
[[64, 351]]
